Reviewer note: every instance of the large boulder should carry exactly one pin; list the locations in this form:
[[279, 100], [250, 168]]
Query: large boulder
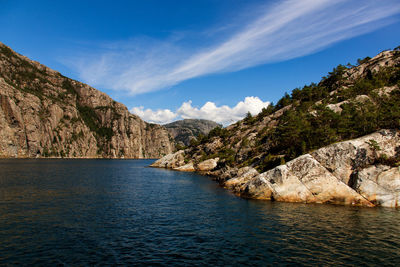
[[380, 185], [301, 180], [207, 165], [189, 167], [170, 161]]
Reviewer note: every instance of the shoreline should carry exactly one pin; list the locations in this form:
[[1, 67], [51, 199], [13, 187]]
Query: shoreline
[[347, 173]]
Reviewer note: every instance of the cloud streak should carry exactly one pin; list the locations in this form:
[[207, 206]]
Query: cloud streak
[[209, 111], [285, 30]]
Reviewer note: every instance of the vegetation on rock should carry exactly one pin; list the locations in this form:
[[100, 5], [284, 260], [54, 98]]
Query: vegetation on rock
[[351, 101]]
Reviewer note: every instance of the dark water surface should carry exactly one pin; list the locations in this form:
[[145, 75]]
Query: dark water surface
[[106, 212]]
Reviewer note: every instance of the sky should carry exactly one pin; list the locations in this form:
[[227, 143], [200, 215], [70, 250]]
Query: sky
[[212, 59]]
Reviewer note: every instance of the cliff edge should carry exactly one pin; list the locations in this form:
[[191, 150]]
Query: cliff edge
[[44, 114]]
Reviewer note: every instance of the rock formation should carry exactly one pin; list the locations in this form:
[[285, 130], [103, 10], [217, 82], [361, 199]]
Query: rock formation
[[334, 142], [185, 130], [44, 114], [349, 172]]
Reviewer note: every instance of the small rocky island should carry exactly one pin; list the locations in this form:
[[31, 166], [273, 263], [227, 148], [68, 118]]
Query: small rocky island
[[336, 142]]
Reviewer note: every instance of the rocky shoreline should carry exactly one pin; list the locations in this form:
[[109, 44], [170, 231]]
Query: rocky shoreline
[[354, 172]]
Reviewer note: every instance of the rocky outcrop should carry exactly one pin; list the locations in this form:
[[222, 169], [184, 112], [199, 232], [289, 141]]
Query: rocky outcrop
[[342, 173], [44, 114], [379, 184], [185, 130], [185, 168], [177, 162], [297, 151], [171, 161], [350, 173], [375, 64], [207, 165]]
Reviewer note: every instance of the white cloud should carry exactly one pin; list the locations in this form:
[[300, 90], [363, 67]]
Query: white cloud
[[160, 116], [209, 111], [285, 30]]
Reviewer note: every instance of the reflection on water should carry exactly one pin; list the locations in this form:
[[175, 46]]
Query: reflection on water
[[83, 212]]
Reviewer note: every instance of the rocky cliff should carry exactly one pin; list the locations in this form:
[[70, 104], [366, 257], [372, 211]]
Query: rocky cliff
[[44, 114], [185, 130], [337, 141]]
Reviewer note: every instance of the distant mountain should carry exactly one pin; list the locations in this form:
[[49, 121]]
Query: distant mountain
[[337, 141], [185, 130], [44, 114]]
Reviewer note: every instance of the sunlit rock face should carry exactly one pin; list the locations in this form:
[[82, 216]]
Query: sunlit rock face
[[177, 162], [342, 173], [332, 142], [44, 114]]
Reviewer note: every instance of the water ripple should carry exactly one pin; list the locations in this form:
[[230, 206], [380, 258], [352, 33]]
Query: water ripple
[[114, 212]]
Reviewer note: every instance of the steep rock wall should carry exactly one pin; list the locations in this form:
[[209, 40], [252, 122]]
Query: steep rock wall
[[44, 114]]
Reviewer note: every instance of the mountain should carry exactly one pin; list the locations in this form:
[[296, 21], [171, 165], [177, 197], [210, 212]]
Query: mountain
[[337, 141], [185, 130], [44, 114]]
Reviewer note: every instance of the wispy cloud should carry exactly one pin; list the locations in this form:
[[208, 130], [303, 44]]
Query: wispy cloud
[[285, 30], [221, 114]]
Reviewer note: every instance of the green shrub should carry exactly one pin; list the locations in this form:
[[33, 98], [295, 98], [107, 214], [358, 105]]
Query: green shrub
[[67, 85], [218, 132], [91, 119]]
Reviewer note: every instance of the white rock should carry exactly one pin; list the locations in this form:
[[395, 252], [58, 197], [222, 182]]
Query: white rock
[[207, 165]]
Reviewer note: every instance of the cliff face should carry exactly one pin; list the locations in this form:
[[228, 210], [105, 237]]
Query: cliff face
[[333, 142], [44, 114], [185, 130]]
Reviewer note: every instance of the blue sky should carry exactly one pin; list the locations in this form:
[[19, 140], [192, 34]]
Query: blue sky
[[215, 59]]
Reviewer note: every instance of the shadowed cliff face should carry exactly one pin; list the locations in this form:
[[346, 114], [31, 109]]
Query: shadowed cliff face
[[185, 130], [44, 114], [333, 142]]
